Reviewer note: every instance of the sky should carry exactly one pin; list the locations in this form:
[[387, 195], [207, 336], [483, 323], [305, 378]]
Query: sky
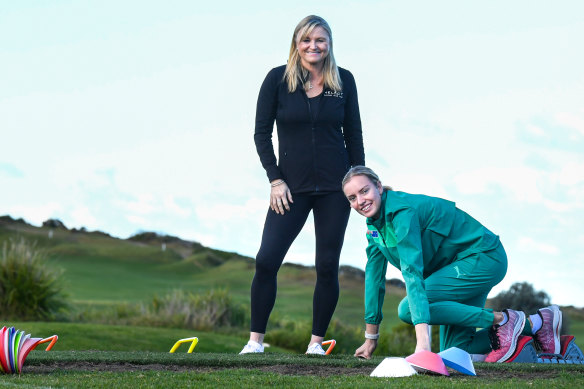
[[129, 116]]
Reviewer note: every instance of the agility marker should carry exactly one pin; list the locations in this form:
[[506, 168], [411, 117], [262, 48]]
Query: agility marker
[[524, 352], [193, 340], [332, 343], [427, 362], [570, 353], [393, 367], [15, 346], [458, 360]]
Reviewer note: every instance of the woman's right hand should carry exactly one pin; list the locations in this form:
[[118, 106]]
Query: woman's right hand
[[280, 197], [367, 349]]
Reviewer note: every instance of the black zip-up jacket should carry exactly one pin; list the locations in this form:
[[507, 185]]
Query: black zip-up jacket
[[313, 155]]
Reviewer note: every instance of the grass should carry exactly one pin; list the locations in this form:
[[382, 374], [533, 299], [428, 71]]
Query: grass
[[85, 336], [255, 378], [158, 370]]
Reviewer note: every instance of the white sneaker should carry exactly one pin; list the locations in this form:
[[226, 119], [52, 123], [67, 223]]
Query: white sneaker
[[315, 348], [252, 347]]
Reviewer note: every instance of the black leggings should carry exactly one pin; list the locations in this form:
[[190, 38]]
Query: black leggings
[[331, 214]]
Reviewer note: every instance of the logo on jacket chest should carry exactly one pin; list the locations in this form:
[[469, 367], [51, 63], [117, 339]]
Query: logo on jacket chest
[[330, 93]]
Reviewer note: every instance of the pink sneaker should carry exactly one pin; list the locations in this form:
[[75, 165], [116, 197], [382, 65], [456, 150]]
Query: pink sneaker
[[547, 337], [504, 338]]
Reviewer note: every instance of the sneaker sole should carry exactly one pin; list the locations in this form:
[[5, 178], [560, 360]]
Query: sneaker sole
[[557, 325], [516, 332]]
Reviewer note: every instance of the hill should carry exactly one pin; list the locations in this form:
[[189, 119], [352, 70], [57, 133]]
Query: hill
[[103, 270]]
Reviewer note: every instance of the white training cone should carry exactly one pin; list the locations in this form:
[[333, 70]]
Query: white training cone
[[393, 367], [458, 360]]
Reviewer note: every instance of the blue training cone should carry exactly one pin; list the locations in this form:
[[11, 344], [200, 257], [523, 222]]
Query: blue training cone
[[458, 360]]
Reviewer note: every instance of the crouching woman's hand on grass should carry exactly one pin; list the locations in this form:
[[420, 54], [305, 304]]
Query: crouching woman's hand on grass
[[371, 335], [367, 349]]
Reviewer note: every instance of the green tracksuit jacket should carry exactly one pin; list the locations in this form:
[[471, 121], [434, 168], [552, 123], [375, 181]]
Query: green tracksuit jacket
[[417, 234]]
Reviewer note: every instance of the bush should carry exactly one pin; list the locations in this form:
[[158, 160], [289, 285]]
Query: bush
[[29, 289], [521, 297], [179, 309], [202, 312]]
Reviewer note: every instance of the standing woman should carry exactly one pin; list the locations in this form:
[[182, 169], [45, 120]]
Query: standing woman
[[314, 104]]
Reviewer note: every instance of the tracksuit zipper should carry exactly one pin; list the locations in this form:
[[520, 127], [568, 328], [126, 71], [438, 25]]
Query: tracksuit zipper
[[313, 141]]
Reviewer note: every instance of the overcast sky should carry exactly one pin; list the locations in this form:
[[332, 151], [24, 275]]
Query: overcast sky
[[125, 116]]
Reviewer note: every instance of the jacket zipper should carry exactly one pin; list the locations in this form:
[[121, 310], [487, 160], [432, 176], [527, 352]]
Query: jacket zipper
[[313, 141]]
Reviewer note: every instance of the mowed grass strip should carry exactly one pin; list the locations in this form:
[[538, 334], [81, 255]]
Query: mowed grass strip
[[101, 337], [204, 370]]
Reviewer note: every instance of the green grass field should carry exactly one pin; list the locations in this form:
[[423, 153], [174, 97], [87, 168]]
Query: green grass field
[[161, 370]]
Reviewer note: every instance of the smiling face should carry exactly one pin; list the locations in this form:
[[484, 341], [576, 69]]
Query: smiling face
[[364, 196], [313, 48]]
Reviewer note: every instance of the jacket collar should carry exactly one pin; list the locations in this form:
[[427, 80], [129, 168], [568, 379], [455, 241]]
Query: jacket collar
[[380, 221]]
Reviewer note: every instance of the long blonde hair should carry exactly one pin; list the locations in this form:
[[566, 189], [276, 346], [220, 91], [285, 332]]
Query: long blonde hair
[[363, 171], [295, 73]]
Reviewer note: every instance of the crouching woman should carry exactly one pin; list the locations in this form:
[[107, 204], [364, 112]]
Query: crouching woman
[[449, 262]]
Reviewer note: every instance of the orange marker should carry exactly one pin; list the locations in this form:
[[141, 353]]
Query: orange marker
[[332, 343]]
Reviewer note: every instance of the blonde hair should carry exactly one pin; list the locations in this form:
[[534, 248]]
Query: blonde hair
[[295, 72], [363, 171]]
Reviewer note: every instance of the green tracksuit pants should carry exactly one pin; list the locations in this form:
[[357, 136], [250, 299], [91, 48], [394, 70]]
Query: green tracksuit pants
[[457, 294]]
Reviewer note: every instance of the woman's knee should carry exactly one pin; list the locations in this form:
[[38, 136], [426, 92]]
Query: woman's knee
[[403, 311], [327, 268], [266, 264]]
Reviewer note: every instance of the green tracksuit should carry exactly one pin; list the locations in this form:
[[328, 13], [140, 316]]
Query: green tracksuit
[[448, 260]]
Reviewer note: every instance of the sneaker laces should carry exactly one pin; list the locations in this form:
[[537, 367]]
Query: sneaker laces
[[494, 338]]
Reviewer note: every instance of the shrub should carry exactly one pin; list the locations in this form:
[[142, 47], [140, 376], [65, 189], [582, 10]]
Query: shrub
[[198, 311], [29, 289], [179, 309]]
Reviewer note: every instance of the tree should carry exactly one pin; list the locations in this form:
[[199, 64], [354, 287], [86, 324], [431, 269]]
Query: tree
[[521, 297]]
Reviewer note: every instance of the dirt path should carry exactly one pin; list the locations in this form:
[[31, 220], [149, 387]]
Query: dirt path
[[286, 369]]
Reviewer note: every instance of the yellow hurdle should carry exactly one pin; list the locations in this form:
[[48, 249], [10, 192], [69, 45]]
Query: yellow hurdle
[[194, 341], [332, 343]]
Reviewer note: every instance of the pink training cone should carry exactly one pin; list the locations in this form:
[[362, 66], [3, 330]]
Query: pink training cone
[[428, 362]]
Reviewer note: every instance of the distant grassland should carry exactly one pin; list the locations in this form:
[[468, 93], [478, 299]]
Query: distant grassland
[[102, 270]]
